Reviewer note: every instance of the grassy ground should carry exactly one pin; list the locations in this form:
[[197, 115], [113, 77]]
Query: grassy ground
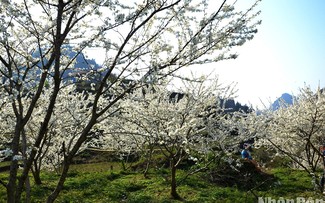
[[105, 182]]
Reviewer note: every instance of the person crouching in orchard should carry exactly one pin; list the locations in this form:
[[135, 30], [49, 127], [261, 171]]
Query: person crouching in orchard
[[246, 155]]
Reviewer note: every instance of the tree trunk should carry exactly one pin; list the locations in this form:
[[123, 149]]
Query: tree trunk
[[24, 153], [28, 191], [11, 186], [145, 173], [51, 198], [123, 165], [37, 176], [12, 183], [173, 191]]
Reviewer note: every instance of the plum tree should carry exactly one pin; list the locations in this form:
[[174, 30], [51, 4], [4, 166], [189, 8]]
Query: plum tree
[[142, 41]]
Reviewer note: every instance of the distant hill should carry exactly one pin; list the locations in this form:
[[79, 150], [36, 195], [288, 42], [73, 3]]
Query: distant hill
[[84, 72], [231, 106], [285, 100], [83, 66]]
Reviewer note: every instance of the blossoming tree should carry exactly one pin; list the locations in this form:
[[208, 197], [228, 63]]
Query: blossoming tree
[[141, 40], [296, 131], [186, 125]]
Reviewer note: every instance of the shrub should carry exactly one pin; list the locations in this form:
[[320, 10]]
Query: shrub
[[246, 176]]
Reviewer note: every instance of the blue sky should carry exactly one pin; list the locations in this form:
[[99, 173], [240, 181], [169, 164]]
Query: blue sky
[[287, 52]]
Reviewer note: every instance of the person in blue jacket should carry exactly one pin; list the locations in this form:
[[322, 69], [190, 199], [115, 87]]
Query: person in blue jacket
[[245, 154]]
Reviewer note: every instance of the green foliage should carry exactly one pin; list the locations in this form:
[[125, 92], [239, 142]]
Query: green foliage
[[269, 159]]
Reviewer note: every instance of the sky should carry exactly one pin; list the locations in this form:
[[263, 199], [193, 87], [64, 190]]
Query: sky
[[287, 53]]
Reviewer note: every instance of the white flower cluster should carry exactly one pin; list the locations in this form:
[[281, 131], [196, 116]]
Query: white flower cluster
[[295, 131], [154, 118], [5, 153]]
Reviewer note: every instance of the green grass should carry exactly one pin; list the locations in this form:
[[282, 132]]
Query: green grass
[[5, 163], [292, 184], [98, 183]]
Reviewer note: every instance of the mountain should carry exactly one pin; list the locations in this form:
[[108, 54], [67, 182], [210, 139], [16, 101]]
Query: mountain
[[285, 100], [231, 106], [82, 67]]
